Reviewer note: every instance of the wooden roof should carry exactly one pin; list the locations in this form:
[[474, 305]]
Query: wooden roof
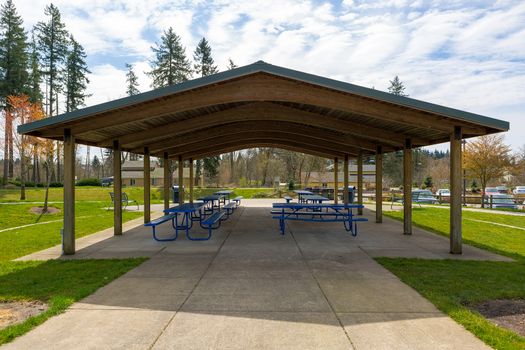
[[263, 105]]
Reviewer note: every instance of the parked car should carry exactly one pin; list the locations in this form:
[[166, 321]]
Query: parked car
[[424, 196], [107, 181], [444, 192], [491, 190], [519, 190], [502, 201], [502, 189]]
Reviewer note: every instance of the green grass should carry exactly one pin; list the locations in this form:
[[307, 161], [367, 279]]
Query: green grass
[[90, 218], [499, 239], [58, 283], [456, 286]]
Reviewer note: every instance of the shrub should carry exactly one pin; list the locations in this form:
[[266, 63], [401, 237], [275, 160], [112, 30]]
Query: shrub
[[262, 195], [56, 184], [89, 182]]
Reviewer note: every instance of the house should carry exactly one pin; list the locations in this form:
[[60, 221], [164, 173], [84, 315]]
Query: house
[[325, 179], [133, 174]]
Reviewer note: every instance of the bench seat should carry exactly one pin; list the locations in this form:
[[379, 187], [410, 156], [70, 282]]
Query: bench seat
[[212, 222], [230, 207], [288, 199], [154, 223], [237, 200]]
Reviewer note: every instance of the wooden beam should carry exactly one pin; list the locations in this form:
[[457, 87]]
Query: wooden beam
[[346, 198], [117, 189], [455, 192], [236, 146], [280, 137], [167, 175], [230, 130], [336, 180], [360, 182], [68, 233], [264, 87], [407, 188], [191, 180], [147, 186], [181, 180], [379, 184]]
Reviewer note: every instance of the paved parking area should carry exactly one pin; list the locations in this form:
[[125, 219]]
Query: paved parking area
[[316, 287]]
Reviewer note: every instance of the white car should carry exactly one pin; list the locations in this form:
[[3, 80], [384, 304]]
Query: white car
[[443, 192], [519, 190]]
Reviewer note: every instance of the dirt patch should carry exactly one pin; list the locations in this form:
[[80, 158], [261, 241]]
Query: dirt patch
[[506, 313], [38, 210], [12, 312]]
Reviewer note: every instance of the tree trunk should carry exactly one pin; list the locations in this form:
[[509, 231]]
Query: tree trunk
[[88, 163], [231, 167], [10, 141], [48, 183], [6, 149], [58, 172], [22, 174]]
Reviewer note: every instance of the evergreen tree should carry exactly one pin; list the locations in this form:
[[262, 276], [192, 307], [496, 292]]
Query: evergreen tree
[[33, 85], [52, 45], [397, 87], [231, 65], [203, 61], [131, 81], [76, 76], [170, 65]]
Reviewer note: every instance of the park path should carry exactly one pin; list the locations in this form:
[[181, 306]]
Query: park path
[[316, 287]]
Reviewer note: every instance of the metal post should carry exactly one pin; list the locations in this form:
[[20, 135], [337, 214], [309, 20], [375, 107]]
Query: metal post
[[407, 187], [167, 173], [455, 192], [379, 184], [68, 232], [147, 186], [117, 189]]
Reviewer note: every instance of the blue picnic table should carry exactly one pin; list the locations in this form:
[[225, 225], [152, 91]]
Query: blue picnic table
[[301, 193], [210, 202], [317, 212], [314, 198], [191, 212], [225, 193]]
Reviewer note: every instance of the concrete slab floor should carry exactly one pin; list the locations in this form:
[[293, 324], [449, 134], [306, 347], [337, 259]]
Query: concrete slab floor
[[249, 287]]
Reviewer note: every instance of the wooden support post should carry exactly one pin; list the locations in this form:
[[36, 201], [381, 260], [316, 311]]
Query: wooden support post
[[117, 189], [191, 180], [181, 180], [345, 181], [68, 232], [336, 180], [360, 181], [166, 162], [455, 191], [407, 187], [379, 184], [147, 186]]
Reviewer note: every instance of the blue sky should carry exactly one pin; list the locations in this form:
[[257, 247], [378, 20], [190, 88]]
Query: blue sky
[[464, 54]]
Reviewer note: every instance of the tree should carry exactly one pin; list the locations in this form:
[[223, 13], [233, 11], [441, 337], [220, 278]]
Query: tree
[[211, 166], [52, 42], [203, 60], [397, 87], [22, 111], [34, 79], [487, 159], [13, 73], [76, 76], [131, 81], [95, 165], [231, 65], [170, 65]]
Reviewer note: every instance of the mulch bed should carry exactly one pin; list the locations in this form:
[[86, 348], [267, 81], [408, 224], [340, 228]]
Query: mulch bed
[[13, 312], [506, 313], [38, 210]]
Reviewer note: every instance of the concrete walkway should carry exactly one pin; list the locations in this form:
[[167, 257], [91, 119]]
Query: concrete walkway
[[250, 288]]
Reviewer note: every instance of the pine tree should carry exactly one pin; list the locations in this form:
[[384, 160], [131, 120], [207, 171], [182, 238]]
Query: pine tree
[[76, 76], [170, 65], [231, 64], [52, 45], [203, 60], [33, 84], [131, 81], [13, 71], [397, 87]]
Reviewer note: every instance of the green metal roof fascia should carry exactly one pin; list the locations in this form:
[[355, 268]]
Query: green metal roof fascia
[[261, 66], [142, 97]]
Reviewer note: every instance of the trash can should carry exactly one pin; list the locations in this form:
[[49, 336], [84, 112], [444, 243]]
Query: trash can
[[351, 194], [176, 193]]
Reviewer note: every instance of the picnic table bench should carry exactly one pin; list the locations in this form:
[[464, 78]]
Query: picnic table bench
[[154, 223], [317, 212]]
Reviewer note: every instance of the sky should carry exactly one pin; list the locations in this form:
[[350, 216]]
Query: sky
[[468, 55]]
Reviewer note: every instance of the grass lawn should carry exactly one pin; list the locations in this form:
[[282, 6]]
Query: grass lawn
[[22, 241], [454, 286], [58, 283]]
